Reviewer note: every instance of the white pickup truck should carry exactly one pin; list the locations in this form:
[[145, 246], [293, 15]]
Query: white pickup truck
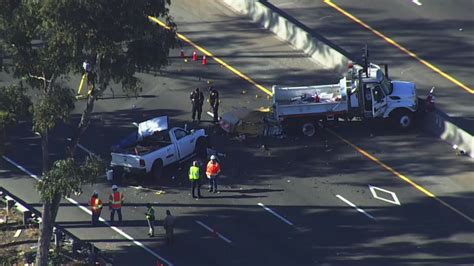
[[154, 146], [359, 94]]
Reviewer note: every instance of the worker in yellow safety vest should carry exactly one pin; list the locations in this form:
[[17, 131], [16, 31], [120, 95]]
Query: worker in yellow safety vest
[[194, 177], [96, 207], [115, 203]]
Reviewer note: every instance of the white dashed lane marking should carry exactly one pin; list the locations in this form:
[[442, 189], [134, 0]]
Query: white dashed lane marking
[[355, 207], [276, 214], [214, 232]]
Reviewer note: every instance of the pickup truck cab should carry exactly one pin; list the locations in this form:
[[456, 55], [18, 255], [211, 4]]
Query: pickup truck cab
[[153, 146]]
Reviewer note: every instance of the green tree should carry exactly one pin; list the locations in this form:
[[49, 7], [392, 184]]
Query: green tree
[[64, 178], [49, 39]]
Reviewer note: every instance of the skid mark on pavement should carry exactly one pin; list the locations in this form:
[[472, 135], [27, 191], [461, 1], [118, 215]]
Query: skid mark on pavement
[[86, 210]]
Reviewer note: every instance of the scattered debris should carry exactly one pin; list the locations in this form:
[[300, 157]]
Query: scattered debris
[[17, 233], [160, 192]]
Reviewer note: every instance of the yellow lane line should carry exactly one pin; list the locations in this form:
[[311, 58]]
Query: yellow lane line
[[363, 152], [405, 50], [218, 60], [401, 176]]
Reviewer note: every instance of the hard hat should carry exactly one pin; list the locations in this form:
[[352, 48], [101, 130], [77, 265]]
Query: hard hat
[[95, 193], [114, 187], [213, 157]]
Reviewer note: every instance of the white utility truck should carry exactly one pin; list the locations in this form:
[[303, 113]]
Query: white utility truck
[[365, 92], [154, 146]]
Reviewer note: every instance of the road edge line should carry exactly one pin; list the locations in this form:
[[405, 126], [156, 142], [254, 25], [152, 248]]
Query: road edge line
[[86, 210]]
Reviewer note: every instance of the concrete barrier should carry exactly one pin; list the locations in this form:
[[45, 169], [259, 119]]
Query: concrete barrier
[[442, 126], [334, 58], [321, 50]]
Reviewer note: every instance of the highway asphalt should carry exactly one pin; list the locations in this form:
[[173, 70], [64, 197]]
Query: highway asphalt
[[299, 201], [439, 32]]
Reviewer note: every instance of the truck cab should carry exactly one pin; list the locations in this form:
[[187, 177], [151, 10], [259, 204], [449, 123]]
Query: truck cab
[[382, 97]]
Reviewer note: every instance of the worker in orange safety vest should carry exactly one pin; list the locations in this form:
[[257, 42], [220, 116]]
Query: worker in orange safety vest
[[96, 207], [212, 171], [115, 203]]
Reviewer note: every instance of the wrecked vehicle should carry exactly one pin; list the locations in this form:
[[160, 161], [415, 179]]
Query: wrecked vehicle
[[153, 146]]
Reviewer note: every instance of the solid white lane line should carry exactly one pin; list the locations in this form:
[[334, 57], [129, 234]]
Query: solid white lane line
[[122, 233], [214, 232], [84, 148], [211, 114], [21, 168], [355, 207], [274, 213], [86, 210]]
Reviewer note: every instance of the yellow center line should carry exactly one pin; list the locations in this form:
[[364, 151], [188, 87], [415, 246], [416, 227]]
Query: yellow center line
[[218, 60], [363, 152], [405, 50]]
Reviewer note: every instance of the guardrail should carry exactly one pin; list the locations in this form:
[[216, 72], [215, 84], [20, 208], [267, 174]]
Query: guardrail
[[61, 234]]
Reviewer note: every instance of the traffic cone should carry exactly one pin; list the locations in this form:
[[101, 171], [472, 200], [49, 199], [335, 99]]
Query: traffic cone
[[182, 54], [195, 56], [204, 60]]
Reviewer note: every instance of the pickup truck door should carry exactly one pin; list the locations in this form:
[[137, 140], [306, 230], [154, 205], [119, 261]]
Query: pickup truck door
[[171, 154], [185, 142], [379, 101]]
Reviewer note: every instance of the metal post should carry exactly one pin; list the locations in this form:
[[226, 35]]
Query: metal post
[[57, 238], [9, 206], [26, 217]]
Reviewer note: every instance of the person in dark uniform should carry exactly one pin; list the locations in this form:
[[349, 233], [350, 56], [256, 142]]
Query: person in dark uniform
[[197, 100], [214, 101]]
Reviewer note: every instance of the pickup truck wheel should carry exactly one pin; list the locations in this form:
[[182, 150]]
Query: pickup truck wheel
[[402, 119], [156, 169], [201, 148]]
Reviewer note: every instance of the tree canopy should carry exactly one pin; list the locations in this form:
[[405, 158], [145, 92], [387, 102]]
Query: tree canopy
[[49, 38]]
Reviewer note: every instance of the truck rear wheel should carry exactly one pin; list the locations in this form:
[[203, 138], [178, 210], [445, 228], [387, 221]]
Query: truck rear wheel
[[308, 129], [402, 119], [157, 169]]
